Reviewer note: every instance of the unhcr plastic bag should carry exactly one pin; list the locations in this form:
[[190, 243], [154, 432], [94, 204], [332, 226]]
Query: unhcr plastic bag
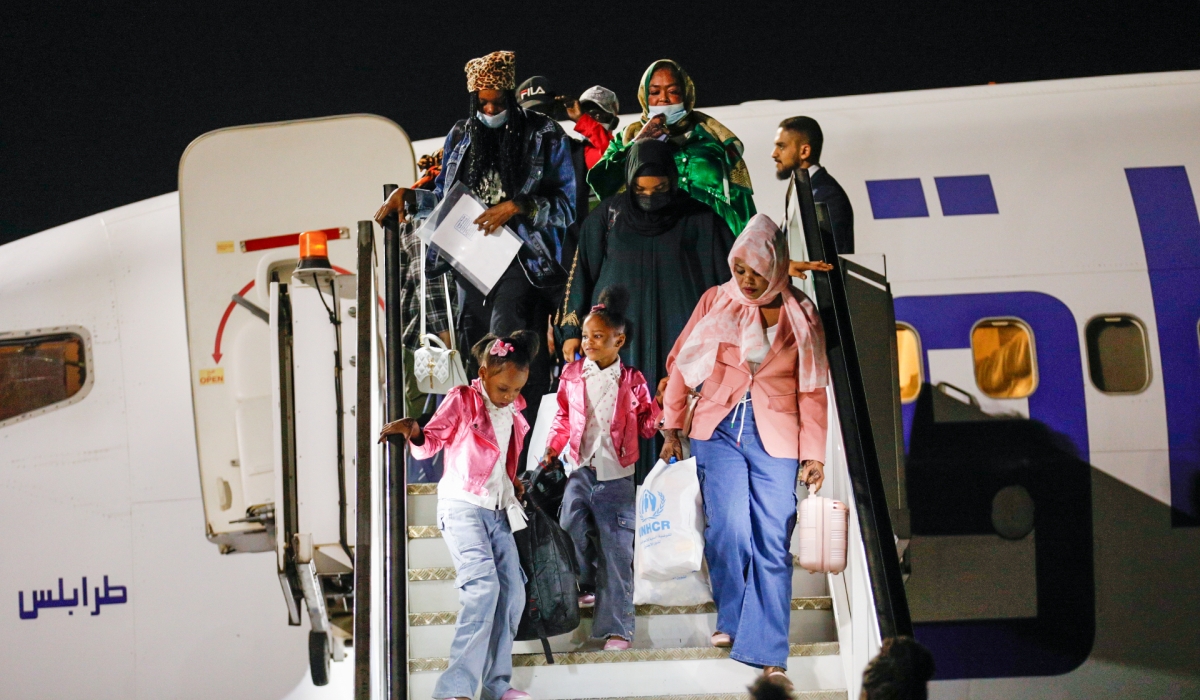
[[692, 589], [670, 523]]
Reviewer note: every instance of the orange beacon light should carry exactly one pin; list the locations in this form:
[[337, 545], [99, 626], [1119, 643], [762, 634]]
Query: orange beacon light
[[314, 256]]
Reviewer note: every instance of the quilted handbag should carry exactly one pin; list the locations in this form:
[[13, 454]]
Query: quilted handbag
[[436, 368]]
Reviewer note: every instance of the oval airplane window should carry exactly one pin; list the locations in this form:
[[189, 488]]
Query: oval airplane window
[[1118, 355], [40, 370], [908, 361], [1005, 366]]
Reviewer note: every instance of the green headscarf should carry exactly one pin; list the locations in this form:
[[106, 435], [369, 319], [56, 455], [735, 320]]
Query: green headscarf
[[738, 173]]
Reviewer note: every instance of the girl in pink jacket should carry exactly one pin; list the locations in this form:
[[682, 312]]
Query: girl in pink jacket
[[481, 429], [603, 407]]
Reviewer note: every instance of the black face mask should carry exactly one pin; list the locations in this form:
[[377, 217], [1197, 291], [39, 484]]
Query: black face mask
[[652, 202]]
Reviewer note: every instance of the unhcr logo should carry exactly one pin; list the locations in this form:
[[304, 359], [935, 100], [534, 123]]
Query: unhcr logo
[[652, 506], [653, 503]]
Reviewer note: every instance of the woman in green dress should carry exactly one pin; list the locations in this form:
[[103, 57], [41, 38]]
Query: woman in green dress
[[708, 155], [664, 247]]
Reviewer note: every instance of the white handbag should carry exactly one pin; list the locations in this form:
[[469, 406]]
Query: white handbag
[[436, 368]]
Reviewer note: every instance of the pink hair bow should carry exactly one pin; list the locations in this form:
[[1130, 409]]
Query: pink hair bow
[[598, 307], [501, 348]]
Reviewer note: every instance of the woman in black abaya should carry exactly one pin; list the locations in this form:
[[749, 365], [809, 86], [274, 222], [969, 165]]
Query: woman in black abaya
[[663, 246]]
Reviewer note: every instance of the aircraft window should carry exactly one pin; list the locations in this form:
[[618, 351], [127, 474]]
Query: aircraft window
[[908, 356], [38, 371], [1004, 358], [1117, 354]]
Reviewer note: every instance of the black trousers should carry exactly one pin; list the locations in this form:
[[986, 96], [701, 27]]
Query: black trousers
[[513, 305]]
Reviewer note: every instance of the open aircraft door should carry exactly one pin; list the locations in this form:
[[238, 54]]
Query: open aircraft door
[[274, 356]]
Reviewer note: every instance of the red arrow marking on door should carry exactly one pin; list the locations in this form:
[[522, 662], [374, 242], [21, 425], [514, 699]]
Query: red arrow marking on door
[[229, 309], [225, 318]]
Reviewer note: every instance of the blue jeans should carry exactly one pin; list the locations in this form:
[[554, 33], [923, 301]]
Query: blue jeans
[[599, 517], [750, 505], [491, 590]]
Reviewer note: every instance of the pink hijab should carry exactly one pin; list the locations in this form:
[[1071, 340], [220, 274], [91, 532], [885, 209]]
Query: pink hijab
[[734, 319]]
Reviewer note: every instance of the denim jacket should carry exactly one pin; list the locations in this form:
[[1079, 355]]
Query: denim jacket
[[549, 187]]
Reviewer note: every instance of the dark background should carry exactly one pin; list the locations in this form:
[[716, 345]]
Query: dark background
[[97, 104]]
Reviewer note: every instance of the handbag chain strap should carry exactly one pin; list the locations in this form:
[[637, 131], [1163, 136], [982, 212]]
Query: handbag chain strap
[[449, 306]]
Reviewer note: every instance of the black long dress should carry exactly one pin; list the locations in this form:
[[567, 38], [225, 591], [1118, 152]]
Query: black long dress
[[666, 260]]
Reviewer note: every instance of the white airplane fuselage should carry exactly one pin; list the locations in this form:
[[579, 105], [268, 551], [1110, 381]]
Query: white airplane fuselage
[[1092, 183]]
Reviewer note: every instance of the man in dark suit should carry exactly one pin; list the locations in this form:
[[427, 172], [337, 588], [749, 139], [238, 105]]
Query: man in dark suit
[[798, 145]]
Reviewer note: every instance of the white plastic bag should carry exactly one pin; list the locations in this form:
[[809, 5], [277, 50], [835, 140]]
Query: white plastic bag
[[670, 523], [540, 435], [692, 589]]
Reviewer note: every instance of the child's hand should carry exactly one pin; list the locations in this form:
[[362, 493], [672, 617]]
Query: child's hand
[[405, 427], [550, 459], [661, 391]]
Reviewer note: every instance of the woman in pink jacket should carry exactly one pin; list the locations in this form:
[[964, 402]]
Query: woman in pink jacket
[[755, 349], [603, 407]]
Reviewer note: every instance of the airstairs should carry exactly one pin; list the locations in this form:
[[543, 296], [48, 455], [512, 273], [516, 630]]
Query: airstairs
[[837, 621]]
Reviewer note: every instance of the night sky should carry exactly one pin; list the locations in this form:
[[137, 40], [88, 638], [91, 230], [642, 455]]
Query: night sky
[[98, 104]]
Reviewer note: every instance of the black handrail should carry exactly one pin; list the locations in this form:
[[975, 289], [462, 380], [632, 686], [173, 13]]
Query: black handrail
[[395, 472], [849, 389], [363, 446]]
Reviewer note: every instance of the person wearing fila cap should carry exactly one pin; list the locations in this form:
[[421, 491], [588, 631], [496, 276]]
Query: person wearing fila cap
[[518, 163], [537, 95]]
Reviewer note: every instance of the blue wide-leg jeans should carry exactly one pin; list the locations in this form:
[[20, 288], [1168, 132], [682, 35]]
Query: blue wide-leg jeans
[[491, 590], [750, 505]]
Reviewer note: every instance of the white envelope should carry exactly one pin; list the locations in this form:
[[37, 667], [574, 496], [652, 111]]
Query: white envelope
[[452, 230]]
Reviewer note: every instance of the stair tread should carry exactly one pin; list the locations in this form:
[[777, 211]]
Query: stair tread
[[425, 532], [449, 617], [626, 656], [798, 694]]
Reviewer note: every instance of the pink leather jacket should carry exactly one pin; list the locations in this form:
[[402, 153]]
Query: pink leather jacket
[[635, 413], [461, 426], [792, 425]]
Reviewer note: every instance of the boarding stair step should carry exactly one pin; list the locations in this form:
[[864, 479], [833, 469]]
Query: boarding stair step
[[649, 673], [431, 586], [797, 694], [577, 658], [810, 603], [655, 627]]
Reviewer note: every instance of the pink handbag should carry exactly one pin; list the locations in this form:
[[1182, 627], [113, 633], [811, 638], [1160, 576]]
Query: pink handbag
[[824, 525]]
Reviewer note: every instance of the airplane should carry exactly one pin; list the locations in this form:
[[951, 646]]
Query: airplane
[[1040, 245]]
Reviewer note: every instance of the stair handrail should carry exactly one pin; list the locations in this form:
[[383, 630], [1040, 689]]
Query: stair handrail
[[849, 390]]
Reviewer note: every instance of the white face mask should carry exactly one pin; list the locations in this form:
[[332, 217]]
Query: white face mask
[[673, 113], [493, 122]]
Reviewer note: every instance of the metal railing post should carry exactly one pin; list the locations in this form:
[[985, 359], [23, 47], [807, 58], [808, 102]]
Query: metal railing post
[[395, 473], [362, 463]]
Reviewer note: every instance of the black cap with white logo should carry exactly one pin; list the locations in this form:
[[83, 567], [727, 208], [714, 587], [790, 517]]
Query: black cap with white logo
[[536, 94]]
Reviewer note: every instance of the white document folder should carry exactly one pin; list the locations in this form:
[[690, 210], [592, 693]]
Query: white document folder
[[452, 231]]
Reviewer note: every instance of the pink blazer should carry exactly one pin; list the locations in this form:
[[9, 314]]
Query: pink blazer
[[635, 414], [462, 427], [792, 425]]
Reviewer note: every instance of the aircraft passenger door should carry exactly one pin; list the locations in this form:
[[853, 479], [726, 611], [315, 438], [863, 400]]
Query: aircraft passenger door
[[272, 354]]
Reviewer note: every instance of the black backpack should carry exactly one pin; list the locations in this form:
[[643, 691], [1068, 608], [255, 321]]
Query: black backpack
[[546, 488], [552, 592]]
